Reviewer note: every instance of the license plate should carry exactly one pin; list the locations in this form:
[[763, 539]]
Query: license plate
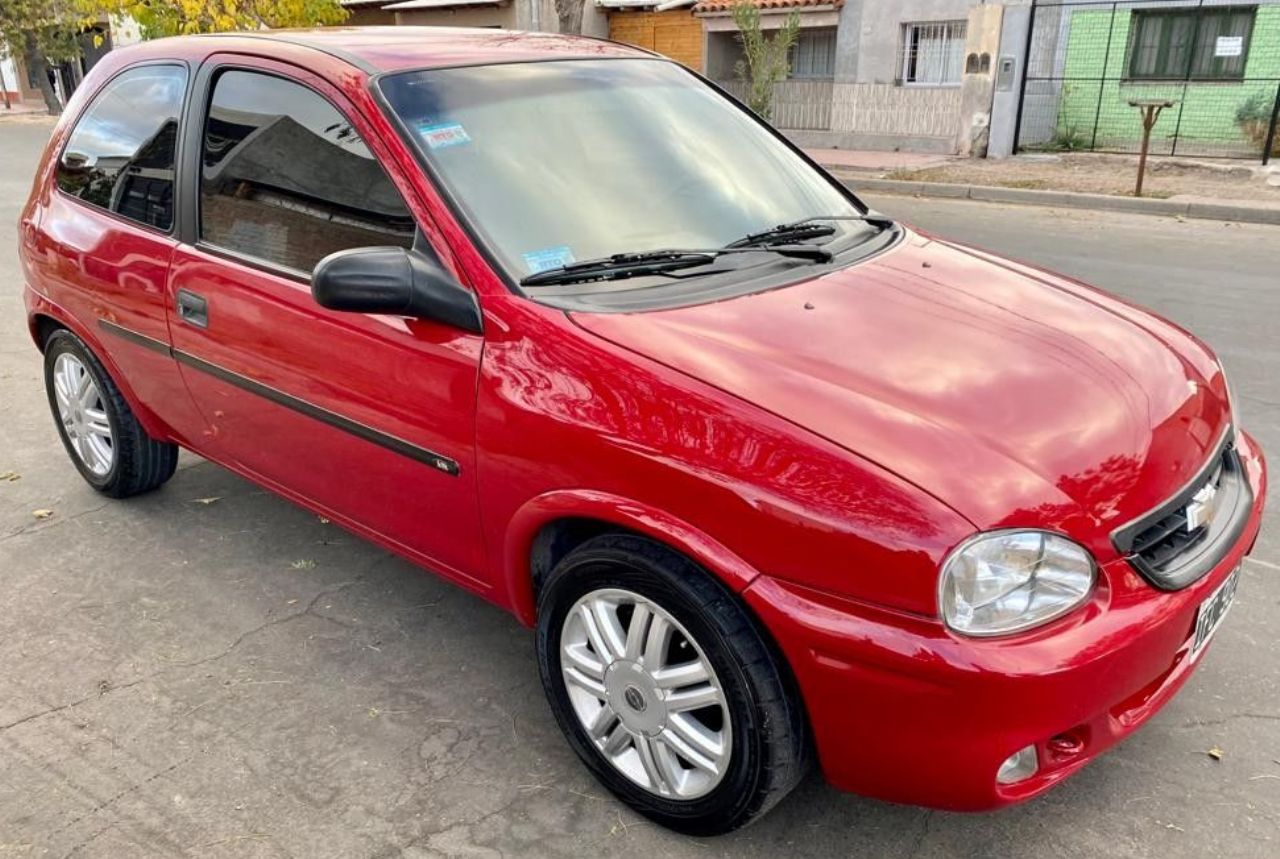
[[1212, 612]]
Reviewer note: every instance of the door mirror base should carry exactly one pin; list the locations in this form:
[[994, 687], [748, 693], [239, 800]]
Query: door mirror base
[[395, 281]]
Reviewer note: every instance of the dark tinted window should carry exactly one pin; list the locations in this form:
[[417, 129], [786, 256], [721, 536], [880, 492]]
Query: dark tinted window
[[577, 159], [120, 153], [287, 179], [1190, 44]]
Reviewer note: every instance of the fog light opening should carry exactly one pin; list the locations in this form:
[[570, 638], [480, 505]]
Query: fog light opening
[[1020, 765], [1064, 746]]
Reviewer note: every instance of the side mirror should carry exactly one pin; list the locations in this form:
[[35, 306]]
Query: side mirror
[[396, 281]]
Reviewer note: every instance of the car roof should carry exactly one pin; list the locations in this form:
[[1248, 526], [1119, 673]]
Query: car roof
[[396, 48]]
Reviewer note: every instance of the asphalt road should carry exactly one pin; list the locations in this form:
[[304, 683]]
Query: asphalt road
[[233, 677]]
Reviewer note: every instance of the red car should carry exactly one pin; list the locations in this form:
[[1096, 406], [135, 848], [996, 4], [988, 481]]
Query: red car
[[772, 476]]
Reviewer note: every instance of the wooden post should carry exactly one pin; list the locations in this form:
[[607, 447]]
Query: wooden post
[[1150, 111]]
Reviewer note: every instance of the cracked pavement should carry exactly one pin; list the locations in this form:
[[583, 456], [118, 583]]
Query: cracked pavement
[[176, 681]]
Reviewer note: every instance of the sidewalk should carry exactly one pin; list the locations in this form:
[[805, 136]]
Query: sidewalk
[[876, 162], [23, 110], [1216, 190]]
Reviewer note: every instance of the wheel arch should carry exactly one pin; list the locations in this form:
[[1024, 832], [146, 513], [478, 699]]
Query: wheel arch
[[42, 326], [549, 526], [44, 318]]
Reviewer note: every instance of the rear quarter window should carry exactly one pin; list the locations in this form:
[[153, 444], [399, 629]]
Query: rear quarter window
[[120, 153]]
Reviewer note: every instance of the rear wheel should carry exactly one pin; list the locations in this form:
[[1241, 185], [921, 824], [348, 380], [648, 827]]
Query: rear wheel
[[109, 447], [665, 688]]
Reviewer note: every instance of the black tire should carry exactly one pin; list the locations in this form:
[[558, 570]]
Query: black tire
[[770, 746], [139, 462]]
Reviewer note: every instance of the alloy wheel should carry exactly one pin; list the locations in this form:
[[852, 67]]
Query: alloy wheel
[[645, 693], [83, 413]]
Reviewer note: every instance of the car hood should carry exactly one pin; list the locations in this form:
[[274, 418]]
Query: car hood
[[1015, 397]]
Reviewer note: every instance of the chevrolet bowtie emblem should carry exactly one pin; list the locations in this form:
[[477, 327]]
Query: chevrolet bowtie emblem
[[1201, 507]]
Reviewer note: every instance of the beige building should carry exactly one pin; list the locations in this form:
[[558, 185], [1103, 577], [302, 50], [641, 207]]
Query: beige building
[[500, 14]]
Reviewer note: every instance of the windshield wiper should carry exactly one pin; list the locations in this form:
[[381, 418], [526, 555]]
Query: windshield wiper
[[809, 228], [620, 266]]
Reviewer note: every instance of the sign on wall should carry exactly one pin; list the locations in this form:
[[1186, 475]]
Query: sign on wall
[[1229, 46]]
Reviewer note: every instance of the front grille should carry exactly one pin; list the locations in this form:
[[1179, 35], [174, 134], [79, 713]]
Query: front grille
[[1163, 542], [1183, 538]]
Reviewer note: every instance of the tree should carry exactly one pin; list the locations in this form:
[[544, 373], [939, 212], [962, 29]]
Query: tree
[[215, 16], [765, 60], [43, 31], [48, 31], [569, 14]]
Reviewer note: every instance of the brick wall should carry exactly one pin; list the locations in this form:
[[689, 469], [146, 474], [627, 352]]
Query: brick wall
[[674, 33]]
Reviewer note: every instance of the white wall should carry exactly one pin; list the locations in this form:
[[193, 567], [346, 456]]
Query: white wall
[[10, 73]]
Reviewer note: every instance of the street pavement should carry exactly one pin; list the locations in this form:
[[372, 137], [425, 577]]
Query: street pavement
[[209, 670]]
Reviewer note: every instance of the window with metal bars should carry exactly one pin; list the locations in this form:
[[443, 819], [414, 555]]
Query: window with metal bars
[[1210, 43], [932, 53]]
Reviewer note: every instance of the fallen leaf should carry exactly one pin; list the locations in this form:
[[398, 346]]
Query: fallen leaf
[[10, 476], [42, 514], [304, 564], [206, 500], [1215, 753]]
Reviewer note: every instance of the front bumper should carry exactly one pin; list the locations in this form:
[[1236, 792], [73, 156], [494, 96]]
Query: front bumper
[[902, 709]]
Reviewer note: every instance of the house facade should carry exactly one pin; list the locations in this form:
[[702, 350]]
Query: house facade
[[537, 15], [1215, 64], [664, 26], [971, 77], [874, 75]]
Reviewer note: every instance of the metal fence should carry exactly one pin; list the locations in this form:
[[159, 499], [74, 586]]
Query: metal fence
[[1213, 66]]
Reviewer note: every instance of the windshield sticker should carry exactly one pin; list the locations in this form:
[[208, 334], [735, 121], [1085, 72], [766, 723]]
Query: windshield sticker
[[443, 135], [548, 258]]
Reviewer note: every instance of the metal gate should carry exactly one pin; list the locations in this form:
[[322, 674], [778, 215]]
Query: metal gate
[[1213, 65]]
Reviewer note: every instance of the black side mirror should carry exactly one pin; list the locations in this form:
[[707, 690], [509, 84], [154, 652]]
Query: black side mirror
[[396, 281]]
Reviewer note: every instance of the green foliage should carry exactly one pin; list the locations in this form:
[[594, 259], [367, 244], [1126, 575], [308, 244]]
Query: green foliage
[[43, 31], [1256, 108], [1254, 118], [1068, 139], [765, 60], [214, 16], [48, 27]]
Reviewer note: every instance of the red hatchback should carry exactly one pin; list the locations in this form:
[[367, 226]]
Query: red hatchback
[[772, 475]]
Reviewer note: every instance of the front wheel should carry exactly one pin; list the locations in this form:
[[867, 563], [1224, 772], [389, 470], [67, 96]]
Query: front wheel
[[665, 688]]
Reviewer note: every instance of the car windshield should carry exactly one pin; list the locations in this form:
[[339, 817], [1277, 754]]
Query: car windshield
[[561, 161]]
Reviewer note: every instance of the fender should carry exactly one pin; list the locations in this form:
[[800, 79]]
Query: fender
[[543, 509], [39, 305]]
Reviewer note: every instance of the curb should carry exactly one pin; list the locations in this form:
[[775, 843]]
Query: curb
[[1211, 211]]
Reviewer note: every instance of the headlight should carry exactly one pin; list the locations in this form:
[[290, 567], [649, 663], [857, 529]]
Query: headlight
[[1010, 580]]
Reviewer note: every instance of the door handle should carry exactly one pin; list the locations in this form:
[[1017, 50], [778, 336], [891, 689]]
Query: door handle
[[193, 309]]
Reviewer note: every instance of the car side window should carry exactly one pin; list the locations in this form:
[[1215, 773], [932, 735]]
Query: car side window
[[286, 179], [120, 154]]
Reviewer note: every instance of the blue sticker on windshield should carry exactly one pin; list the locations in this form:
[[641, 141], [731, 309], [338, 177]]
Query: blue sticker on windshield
[[443, 135], [548, 258]]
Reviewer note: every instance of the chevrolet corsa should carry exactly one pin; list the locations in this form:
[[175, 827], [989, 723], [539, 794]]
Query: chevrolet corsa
[[773, 477]]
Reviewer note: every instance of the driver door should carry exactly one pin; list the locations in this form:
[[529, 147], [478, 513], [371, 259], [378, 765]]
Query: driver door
[[367, 418]]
